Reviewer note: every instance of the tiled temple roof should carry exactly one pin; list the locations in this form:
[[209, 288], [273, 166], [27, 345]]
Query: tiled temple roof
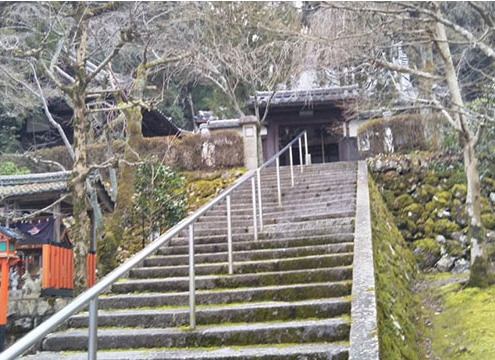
[[17, 185], [306, 97]]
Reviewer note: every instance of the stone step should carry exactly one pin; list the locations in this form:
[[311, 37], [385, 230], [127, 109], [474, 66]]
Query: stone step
[[250, 255], [314, 351], [298, 188], [284, 210], [240, 220], [305, 331], [291, 292], [324, 258], [339, 273], [247, 312], [206, 230], [286, 183], [180, 246], [289, 199], [208, 239]]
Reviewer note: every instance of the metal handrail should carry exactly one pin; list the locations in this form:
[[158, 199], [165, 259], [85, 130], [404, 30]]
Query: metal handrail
[[90, 296]]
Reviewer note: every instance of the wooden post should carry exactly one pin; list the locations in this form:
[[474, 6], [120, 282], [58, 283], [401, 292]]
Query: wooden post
[[57, 223], [4, 294], [7, 220]]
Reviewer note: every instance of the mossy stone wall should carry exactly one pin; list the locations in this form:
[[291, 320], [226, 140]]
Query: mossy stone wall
[[394, 271]]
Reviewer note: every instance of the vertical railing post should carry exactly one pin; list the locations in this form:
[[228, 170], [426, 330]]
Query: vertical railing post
[[279, 190], [192, 284], [306, 147], [300, 155], [229, 237], [253, 193], [260, 206], [93, 329], [291, 167]]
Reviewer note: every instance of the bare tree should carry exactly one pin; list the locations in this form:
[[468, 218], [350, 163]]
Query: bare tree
[[61, 54], [245, 47], [446, 80]]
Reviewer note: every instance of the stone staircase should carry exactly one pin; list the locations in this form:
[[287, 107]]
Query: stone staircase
[[288, 298]]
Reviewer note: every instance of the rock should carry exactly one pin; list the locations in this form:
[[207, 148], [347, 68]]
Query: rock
[[488, 221], [443, 214], [441, 239], [490, 235], [23, 323], [461, 266], [492, 197], [446, 263], [43, 307], [427, 252]]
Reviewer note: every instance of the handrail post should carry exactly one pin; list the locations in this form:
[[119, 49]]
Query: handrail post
[[291, 167], [93, 329], [279, 190], [258, 178], [300, 155], [253, 192], [306, 146], [192, 285], [229, 237]]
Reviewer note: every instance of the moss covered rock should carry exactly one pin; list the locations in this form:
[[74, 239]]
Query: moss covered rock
[[427, 252], [402, 201], [431, 179], [414, 211], [459, 191], [454, 248], [445, 227], [429, 227], [444, 197], [488, 221], [424, 193]]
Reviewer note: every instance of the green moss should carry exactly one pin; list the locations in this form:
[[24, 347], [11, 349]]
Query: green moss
[[425, 193], [431, 179], [444, 196], [459, 191], [445, 227], [402, 201], [426, 252], [414, 211], [488, 221], [203, 186], [454, 248], [429, 227], [394, 266], [464, 329], [489, 182]]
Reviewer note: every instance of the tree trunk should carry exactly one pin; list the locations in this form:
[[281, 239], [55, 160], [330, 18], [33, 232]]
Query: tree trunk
[[114, 233], [479, 261], [81, 234]]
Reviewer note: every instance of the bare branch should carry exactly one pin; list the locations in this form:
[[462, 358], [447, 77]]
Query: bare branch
[[166, 60], [105, 62], [41, 211], [64, 88], [482, 12], [57, 53], [50, 117], [38, 160], [407, 70], [469, 36]]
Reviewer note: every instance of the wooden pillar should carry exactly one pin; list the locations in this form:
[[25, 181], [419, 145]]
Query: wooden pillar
[[58, 222], [7, 220], [4, 294]]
